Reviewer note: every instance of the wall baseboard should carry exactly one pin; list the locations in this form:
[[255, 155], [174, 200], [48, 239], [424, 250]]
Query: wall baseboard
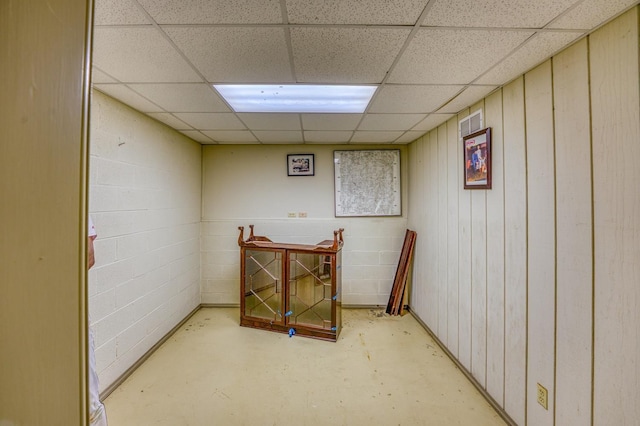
[[347, 306], [124, 376], [464, 371], [219, 305]]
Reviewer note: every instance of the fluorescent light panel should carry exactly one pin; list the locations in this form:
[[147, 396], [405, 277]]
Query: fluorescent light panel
[[301, 98]]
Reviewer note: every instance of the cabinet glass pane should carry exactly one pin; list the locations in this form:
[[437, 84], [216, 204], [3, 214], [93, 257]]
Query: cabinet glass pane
[[310, 290], [263, 284]]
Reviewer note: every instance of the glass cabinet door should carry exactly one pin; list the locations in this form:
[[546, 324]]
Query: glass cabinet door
[[310, 290], [338, 294], [263, 297]]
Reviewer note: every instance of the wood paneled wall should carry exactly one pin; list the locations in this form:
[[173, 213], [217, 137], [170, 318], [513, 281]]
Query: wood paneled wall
[[574, 240], [515, 252], [536, 280], [43, 162], [541, 230], [615, 135]]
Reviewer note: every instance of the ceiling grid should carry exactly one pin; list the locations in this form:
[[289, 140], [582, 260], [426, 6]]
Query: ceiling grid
[[429, 59]]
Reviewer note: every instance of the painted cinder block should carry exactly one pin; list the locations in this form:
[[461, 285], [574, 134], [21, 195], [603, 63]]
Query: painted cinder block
[[146, 208]]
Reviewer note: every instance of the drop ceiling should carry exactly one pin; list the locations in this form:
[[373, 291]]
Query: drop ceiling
[[430, 59]]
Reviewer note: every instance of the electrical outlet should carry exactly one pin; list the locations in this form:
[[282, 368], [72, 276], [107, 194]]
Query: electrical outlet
[[302, 214], [291, 214], [543, 396]]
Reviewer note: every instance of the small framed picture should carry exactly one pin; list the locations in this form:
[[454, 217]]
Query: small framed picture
[[300, 165], [477, 159]]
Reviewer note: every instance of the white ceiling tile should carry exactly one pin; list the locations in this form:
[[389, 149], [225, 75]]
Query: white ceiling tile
[[211, 121], [470, 95], [169, 120], [236, 143], [127, 96], [118, 12], [97, 76], [432, 121], [226, 136], [409, 136], [197, 136], [390, 121], [327, 136], [453, 56], [495, 13], [139, 55], [324, 143], [591, 13], [183, 97], [536, 50], [372, 12], [236, 54], [437, 56], [461, 42], [214, 11], [412, 98], [345, 55], [272, 136], [375, 137], [267, 121], [330, 121]]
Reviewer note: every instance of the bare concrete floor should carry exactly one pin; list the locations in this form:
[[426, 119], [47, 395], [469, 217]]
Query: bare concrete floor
[[383, 370]]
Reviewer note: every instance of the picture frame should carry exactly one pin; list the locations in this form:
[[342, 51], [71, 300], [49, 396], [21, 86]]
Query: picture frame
[[476, 154], [367, 183], [300, 165]]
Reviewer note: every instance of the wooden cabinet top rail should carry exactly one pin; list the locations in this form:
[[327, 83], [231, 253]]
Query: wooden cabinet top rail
[[264, 242]]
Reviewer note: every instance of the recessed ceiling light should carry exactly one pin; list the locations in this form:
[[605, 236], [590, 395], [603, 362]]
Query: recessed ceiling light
[[301, 98]]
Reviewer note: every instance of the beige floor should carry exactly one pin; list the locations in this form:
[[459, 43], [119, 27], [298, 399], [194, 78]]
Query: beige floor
[[383, 370]]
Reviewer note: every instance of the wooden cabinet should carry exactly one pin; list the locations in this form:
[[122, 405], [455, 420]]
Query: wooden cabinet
[[291, 288]]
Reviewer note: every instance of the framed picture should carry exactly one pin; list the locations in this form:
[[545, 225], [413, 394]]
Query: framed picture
[[300, 165], [477, 159]]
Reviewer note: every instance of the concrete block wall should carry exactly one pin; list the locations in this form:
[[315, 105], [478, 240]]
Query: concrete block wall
[[144, 198], [245, 185], [369, 257]]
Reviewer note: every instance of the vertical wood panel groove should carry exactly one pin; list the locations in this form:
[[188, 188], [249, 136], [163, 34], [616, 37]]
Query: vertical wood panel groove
[[555, 245], [486, 295], [486, 268], [504, 261], [593, 249], [526, 272], [515, 167]]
